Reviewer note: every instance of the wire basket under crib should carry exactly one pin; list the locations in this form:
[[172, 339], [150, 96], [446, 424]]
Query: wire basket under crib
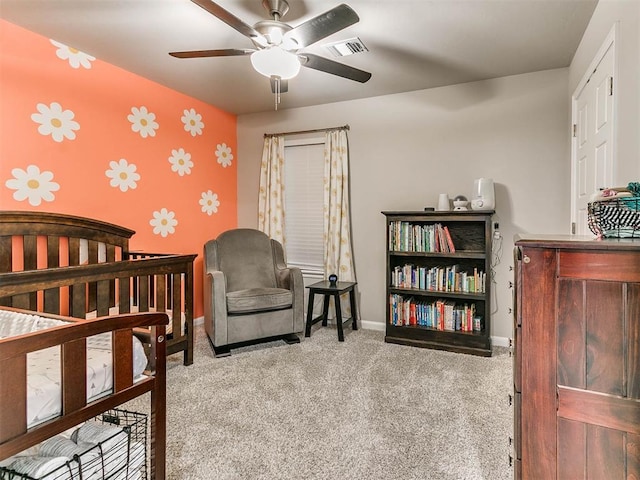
[[111, 446]]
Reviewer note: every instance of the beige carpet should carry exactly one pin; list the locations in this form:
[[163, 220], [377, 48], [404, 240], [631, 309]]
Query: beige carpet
[[362, 409]]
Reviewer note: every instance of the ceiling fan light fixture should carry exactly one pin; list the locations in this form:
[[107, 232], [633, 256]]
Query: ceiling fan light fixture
[[275, 62]]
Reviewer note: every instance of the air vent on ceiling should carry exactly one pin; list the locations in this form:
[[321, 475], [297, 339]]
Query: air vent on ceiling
[[346, 47]]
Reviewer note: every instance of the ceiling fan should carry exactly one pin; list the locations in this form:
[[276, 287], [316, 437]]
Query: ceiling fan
[[276, 54]]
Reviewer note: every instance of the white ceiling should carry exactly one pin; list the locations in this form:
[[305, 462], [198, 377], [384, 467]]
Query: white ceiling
[[413, 44]]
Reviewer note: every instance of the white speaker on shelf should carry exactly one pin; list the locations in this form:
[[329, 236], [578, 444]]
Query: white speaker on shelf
[[484, 196]]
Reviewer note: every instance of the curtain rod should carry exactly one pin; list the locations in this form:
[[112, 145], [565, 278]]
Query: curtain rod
[[300, 132]]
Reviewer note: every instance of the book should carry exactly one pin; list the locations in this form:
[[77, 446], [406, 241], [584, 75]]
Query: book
[[452, 249]]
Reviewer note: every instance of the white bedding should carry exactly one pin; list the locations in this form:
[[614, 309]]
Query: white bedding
[[43, 367]]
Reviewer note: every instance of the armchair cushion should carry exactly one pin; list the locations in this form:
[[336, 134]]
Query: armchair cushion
[[258, 300]]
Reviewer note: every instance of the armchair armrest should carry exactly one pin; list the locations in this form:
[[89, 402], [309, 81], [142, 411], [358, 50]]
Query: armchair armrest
[[215, 306], [291, 279]]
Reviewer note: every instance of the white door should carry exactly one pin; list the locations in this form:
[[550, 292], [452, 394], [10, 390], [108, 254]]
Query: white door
[[593, 132]]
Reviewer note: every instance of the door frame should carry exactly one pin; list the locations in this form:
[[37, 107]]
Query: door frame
[[610, 42]]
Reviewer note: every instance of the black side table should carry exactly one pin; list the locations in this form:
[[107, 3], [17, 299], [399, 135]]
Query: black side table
[[325, 288]]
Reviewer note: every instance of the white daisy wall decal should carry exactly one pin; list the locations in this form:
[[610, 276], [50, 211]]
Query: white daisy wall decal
[[209, 202], [123, 175], [143, 122], [76, 58], [180, 162], [163, 222], [32, 185], [192, 122], [224, 155], [55, 122]]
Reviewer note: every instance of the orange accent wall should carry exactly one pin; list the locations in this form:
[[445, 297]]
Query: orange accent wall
[[61, 158]]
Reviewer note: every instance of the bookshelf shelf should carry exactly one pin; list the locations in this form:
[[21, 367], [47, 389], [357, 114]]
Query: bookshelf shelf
[[436, 293], [439, 280], [465, 254]]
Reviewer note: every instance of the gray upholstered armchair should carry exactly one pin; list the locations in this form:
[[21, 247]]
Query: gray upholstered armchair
[[249, 292]]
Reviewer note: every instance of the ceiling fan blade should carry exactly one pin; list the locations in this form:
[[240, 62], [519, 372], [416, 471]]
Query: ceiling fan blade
[[224, 52], [329, 66], [231, 20], [284, 85], [321, 26]]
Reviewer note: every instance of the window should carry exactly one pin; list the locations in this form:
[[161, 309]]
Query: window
[[304, 204]]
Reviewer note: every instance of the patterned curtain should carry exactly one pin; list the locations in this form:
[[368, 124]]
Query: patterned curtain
[[338, 256], [271, 196]]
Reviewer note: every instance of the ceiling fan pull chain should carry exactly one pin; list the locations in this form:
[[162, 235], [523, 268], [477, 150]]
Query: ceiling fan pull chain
[[276, 90]]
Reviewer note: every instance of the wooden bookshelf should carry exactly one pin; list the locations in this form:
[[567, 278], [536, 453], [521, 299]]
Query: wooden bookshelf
[[438, 296]]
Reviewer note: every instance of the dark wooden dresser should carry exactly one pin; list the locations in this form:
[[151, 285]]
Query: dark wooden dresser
[[577, 358]]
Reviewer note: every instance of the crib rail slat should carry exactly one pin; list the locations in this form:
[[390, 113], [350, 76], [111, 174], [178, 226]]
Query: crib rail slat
[[110, 258], [92, 258], [103, 297], [6, 252], [143, 293], [122, 360], [30, 262], [74, 377], [13, 400], [124, 294], [52, 295], [29, 252], [176, 300]]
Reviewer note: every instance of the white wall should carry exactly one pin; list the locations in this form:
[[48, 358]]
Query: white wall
[[407, 148], [626, 14]]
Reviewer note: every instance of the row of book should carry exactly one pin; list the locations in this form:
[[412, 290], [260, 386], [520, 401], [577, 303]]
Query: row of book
[[441, 314], [409, 237], [441, 279]]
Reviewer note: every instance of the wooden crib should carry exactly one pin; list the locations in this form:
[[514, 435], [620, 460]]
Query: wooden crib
[[73, 268]]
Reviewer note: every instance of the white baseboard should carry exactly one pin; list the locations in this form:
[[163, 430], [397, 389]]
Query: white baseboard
[[500, 341], [380, 327], [368, 325]]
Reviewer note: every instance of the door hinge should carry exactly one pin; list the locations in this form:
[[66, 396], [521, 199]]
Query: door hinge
[[574, 129], [573, 228], [611, 86]]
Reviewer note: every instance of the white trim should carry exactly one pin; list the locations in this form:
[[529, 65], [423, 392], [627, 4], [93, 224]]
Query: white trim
[[500, 341], [369, 325], [299, 142], [380, 327], [610, 42]]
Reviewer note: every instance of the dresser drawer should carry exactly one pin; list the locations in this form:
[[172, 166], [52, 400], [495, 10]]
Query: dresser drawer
[[600, 265]]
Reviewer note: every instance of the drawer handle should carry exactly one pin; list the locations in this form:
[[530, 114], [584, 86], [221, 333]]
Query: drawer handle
[[526, 259]]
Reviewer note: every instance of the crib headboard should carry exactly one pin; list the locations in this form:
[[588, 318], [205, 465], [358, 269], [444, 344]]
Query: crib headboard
[[81, 267], [38, 240]]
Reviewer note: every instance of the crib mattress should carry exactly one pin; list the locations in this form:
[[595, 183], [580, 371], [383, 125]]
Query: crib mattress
[[44, 397]]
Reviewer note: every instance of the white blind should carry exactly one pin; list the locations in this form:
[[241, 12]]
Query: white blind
[[304, 200]]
